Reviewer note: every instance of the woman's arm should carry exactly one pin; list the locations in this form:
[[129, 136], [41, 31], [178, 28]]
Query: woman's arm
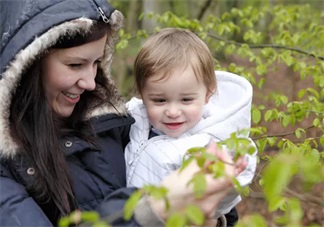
[[17, 208]]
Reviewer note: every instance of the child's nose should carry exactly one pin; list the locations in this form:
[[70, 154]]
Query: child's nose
[[173, 111]]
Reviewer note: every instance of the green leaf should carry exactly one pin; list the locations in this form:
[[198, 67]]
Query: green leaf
[[297, 133], [199, 184], [294, 214], [254, 220], [286, 120], [312, 91], [131, 204], [122, 44], [101, 224], [64, 222], [301, 93], [268, 115], [201, 160], [158, 192], [276, 203], [186, 162], [218, 169], [90, 216], [272, 140], [176, 220], [277, 175], [220, 30], [261, 143], [316, 122], [256, 116], [261, 69], [322, 141], [195, 215]]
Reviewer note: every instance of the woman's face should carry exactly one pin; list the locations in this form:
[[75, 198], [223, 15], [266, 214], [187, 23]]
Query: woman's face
[[67, 73]]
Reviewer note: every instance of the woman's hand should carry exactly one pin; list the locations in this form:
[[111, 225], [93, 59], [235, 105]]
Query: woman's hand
[[181, 194]]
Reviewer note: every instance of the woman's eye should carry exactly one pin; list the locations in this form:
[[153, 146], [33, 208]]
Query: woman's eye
[[97, 62], [75, 65]]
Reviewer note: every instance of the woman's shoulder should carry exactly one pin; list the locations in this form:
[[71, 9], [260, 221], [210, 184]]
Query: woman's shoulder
[[4, 168], [110, 121]]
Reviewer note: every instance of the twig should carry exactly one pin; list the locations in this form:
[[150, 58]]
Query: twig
[[203, 9], [282, 134], [306, 197], [267, 45]]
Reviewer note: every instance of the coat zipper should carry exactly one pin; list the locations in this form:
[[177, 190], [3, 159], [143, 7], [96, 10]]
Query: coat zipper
[[102, 13]]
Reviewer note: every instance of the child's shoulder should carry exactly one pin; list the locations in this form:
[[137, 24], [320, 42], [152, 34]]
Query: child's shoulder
[[134, 103]]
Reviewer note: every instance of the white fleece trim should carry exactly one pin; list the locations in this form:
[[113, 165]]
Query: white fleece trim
[[25, 57]]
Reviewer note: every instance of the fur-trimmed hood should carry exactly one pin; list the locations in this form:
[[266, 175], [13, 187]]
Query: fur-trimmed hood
[[29, 27]]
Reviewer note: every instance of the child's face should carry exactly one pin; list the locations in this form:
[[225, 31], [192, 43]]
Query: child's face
[[175, 104]]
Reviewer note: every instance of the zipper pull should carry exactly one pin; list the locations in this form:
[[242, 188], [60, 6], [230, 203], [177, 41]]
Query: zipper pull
[[103, 15]]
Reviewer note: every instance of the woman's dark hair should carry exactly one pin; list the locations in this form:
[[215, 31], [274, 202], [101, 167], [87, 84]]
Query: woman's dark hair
[[38, 130], [98, 30]]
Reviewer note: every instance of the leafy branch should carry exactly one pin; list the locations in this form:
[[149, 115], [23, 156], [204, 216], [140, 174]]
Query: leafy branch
[[260, 46], [281, 134]]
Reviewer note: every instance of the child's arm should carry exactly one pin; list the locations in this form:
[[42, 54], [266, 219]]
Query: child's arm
[[246, 177]]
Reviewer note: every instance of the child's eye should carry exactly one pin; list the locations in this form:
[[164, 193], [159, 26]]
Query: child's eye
[[187, 99], [158, 100]]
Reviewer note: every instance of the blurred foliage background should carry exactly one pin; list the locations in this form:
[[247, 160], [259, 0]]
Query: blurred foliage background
[[201, 12]]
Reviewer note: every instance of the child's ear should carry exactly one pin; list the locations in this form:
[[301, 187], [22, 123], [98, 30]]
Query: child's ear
[[210, 93]]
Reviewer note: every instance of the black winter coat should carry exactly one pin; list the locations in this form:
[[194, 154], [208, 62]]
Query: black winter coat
[[96, 172], [28, 28]]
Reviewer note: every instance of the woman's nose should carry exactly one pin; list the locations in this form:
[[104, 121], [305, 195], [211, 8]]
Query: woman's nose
[[87, 81]]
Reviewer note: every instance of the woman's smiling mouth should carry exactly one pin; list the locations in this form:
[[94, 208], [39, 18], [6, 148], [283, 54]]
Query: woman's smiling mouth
[[70, 95]]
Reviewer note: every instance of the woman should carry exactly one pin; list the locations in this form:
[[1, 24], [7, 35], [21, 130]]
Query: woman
[[63, 125]]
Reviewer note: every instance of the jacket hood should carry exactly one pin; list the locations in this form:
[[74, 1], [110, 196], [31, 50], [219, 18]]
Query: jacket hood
[[29, 27], [227, 111]]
